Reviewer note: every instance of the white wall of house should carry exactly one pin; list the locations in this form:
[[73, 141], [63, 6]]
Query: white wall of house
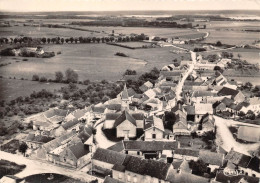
[[109, 124], [188, 158], [126, 129], [102, 164], [153, 134]]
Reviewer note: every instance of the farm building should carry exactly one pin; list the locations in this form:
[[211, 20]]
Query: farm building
[[250, 134]]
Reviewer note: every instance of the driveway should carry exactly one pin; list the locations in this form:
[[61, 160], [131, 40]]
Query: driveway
[[226, 140]]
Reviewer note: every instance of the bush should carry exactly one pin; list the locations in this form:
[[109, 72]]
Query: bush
[[43, 79], [7, 52], [121, 54], [71, 76], [35, 77], [25, 59]]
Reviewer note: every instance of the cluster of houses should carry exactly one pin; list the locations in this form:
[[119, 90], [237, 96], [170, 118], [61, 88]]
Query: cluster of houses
[[148, 150]]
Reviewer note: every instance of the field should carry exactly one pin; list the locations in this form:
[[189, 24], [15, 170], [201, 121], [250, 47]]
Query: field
[[231, 37], [90, 61], [135, 44], [150, 31], [13, 88], [250, 55], [10, 87], [45, 32]]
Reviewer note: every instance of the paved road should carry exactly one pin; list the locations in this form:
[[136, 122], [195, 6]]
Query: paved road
[[38, 167], [226, 140]]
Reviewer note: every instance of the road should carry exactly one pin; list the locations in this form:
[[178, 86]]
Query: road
[[186, 74], [101, 139], [226, 140], [38, 167]]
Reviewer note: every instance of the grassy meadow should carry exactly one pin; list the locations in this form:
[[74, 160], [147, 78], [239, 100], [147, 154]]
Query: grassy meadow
[[90, 61]]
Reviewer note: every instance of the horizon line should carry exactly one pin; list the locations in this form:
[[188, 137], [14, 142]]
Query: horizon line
[[10, 11]]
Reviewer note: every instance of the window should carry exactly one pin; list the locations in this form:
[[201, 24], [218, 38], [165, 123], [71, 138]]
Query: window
[[154, 136], [153, 129], [138, 152], [126, 152]]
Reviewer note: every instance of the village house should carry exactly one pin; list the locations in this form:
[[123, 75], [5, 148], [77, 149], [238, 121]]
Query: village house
[[43, 151], [212, 159], [208, 123], [187, 154], [67, 127], [47, 120], [248, 165], [254, 105], [146, 86], [181, 176], [218, 107], [79, 114], [222, 81], [153, 129], [181, 127], [222, 177], [125, 123], [201, 110], [168, 67], [109, 179], [236, 95], [181, 165], [249, 134], [35, 141], [199, 96], [154, 103], [137, 170], [151, 149]]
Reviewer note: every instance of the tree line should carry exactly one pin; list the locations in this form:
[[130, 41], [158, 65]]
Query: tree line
[[62, 40]]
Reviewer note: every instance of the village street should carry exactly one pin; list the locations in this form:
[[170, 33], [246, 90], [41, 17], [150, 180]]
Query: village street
[[186, 74], [100, 137], [38, 167], [225, 139]]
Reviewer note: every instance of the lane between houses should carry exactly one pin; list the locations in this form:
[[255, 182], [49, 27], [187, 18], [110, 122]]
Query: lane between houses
[[38, 167], [226, 140], [186, 74]]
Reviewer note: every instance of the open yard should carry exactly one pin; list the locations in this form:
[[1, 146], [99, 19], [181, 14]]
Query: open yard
[[90, 61]]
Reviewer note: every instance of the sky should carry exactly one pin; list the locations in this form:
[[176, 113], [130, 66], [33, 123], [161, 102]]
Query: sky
[[117, 5]]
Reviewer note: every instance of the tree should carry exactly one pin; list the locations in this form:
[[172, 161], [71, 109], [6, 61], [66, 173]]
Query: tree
[[217, 68], [71, 76], [218, 43], [43, 79], [58, 76], [23, 148], [169, 120], [49, 40], [198, 167], [239, 56], [62, 40], [35, 77], [44, 40], [71, 39]]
